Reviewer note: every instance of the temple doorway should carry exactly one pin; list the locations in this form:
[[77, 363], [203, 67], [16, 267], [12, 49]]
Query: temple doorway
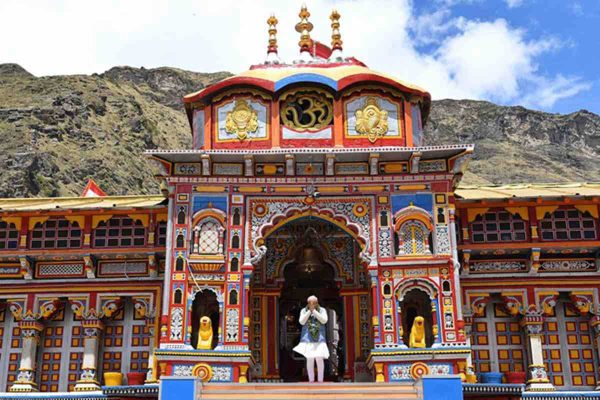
[[309, 275], [309, 256]]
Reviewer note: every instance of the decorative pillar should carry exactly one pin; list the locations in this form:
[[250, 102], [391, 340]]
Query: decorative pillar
[[400, 326], [434, 322], [470, 376], [30, 334], [538, 380], [196, 247], [151, 377], [595, 323], [88, 380]]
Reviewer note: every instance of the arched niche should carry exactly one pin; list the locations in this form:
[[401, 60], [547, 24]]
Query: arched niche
[[205, 304], [416, 302]]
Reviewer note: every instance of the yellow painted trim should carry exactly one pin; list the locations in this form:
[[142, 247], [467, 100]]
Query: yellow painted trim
[[540, 212], [96, 219], [522, 211], [394, 167], [412, 187], [144, 218], [472, 213], [377, 188], [80, 219], [34, 220], [162, 217], [210, 189], [13, 220], [591, 208]]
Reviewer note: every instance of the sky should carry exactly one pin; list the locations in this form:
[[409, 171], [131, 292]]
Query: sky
[[541, 54]]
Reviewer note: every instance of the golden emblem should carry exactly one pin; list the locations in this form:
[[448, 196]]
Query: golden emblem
[[241, 120], [307, 111], [371, 120]]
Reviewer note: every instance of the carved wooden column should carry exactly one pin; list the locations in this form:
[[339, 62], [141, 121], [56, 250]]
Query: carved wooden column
[[89, 380], [470, 376], [538, 380], [30, 334]]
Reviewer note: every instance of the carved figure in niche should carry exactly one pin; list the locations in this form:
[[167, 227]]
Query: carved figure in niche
[[417, 333], [241, 120], [371, 120], [205, 320], [205, 334]]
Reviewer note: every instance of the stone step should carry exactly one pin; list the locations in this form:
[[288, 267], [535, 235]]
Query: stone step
[[363, 391]]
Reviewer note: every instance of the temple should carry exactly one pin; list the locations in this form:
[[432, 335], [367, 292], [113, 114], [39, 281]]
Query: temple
[[304, 178]]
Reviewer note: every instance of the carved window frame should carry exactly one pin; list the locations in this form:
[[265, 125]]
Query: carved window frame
[[9, 236], [54, 231], [498, 226], [560, 225], [114, 233]]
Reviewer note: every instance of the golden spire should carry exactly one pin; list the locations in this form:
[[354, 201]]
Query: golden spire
[[336, 37], [272, 49], [304, 27]]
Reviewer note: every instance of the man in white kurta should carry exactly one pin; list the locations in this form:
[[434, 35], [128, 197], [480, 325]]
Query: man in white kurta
[[313, 345]]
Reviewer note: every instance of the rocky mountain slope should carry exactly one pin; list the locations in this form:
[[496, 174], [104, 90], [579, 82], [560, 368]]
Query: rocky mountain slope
[[57, 131]]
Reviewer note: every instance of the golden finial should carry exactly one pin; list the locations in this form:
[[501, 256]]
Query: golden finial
[[272, 22], [304, 27], [336, 37]]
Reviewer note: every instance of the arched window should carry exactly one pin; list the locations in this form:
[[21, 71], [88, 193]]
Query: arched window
[[180, 242], [161, 233], [181, 216], [179, 264], [383, 219], [235, 264], [568, 225], [208, 238], [120, 232], [178, 296], [413, 239], [56, 234], [498, 226], [233, 297], [235, 242], [441, 217], [9, 236], [236, 216]]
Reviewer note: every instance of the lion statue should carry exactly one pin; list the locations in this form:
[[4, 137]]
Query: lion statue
[[417, 333], [205, 334]]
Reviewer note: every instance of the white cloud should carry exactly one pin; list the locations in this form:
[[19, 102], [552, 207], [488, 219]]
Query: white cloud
[[549, 91], [463, 58], [514, 3]]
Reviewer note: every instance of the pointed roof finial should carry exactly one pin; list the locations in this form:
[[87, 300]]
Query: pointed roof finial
[[272, 57], [304, 27], [336, 37]]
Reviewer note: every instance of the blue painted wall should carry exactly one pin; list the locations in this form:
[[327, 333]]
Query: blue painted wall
[[447, 387]]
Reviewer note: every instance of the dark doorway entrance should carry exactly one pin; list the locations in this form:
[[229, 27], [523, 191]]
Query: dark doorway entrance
[[307, 276]]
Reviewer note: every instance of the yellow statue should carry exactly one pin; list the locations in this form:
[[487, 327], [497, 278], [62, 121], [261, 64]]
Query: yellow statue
[[205, 334], [417, 333]]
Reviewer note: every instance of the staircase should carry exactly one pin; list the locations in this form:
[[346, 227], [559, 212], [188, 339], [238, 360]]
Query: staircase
[[327, 390]]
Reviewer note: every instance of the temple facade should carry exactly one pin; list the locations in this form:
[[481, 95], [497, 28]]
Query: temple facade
[[304, 178]]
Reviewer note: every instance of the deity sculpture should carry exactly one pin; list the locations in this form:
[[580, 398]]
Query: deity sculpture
[[417, 333], [205, 334]]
